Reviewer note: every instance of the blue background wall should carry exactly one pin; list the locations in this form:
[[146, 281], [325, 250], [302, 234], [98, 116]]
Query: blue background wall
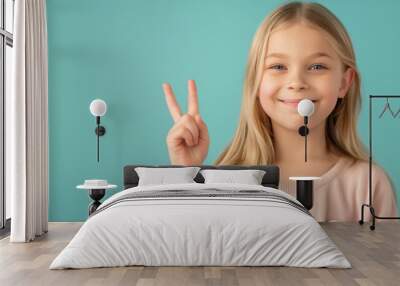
[[123, 50]]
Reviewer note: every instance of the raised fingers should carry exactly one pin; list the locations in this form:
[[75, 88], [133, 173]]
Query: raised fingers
[[193, 105], [171, 102]]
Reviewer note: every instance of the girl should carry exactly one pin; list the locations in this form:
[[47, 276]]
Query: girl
[[300, 51]]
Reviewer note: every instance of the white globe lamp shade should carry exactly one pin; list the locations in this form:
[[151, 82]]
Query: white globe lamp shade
[[305, 107], [98, 107]]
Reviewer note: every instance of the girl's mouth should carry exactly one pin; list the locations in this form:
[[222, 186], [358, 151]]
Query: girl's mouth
[[292, 102]]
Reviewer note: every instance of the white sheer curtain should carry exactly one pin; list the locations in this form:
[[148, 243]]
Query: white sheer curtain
[[27, 127]]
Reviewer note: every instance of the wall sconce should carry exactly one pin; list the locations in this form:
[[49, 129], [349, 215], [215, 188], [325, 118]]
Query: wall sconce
[[98, 108], [305, 108]]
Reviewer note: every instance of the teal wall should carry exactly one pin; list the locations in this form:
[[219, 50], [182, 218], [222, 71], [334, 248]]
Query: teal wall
[[123, 50]]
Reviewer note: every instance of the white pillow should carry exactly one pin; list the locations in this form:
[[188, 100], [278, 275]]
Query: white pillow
[[161, 176], [249, 177]]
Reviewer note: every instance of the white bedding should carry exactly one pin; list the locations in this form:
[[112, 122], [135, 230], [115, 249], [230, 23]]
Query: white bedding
[[200, 231]]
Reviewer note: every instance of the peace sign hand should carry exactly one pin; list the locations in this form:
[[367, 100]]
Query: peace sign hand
[[188, 138]]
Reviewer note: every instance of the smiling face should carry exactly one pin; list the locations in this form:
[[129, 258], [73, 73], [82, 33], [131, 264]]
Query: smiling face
[[301, 63]]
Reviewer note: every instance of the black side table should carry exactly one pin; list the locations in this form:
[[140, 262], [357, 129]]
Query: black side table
[[96, 192], [96, 195], [304, 190]]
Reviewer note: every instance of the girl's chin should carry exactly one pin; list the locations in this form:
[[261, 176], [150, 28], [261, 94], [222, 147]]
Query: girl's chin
[[290, 124], [288, 128]]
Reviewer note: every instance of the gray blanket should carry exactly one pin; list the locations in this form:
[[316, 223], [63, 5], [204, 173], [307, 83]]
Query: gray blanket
[[208, 193]]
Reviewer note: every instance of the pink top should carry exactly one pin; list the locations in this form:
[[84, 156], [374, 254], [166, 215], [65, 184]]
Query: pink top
[[340, 192]]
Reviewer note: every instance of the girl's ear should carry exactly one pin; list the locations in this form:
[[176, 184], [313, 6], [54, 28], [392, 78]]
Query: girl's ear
[[347, 80]]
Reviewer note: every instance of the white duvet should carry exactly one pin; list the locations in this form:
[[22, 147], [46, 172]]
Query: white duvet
[[200, 231]]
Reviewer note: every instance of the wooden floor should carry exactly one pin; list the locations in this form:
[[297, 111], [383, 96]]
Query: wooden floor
[[374, 255]]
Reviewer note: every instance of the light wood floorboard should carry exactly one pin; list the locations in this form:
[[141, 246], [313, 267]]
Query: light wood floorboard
[[374, 255]]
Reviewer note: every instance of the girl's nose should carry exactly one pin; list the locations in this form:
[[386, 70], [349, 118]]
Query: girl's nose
[[296, 81], [298, 85]]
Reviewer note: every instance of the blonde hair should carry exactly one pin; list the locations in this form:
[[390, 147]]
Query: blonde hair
[[252, 143]]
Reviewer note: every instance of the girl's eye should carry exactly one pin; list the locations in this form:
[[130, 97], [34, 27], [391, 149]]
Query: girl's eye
[[318, 67], [278, 67]]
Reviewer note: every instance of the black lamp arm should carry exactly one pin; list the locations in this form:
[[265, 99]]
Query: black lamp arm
[[100, 131]]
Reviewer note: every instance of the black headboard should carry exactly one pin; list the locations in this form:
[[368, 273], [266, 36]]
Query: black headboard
[[270, 179]]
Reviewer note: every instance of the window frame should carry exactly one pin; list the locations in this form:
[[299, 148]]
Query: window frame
[[6, 39]]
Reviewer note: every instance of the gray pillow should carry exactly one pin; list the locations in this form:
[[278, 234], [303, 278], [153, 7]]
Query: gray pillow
[[249, 177], [162, 176]]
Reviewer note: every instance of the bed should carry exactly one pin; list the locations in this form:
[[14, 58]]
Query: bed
[[201, 224]]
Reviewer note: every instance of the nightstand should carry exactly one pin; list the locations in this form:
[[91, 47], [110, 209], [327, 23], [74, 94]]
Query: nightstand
[[304, 190], [97, 190]]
